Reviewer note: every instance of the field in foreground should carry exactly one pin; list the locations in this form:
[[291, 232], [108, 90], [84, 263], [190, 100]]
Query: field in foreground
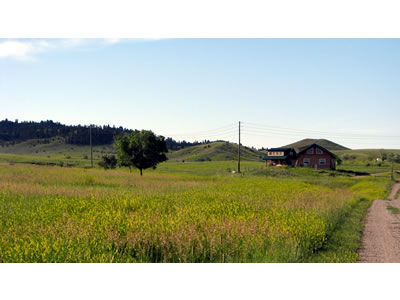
[[54, 214]]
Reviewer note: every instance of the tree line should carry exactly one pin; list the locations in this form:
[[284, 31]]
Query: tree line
[[15, 132]]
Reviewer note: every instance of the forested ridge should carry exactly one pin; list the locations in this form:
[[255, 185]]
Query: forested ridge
[[12, 132]]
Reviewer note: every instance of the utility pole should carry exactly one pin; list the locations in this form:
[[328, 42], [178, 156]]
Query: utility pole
[[91, 148], [239, 151]]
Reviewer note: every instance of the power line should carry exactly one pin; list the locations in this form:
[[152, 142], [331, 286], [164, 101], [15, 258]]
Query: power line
[[223, 128], [288, 138], [226, 133], [277, 133], [249, 127], [229, 132], [264, 127], [294, 133], [336, 135]]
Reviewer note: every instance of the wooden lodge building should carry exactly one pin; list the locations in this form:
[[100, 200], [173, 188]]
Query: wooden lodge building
[[311, 156], [280, 157]]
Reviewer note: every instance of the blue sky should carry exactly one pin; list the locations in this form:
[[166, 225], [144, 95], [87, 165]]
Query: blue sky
[[283, 90]]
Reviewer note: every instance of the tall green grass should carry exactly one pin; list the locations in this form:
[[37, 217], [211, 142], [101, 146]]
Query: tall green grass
[[53, 214]]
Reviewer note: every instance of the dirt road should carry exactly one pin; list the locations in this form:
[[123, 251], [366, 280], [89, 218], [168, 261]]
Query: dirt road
[[381, 235]]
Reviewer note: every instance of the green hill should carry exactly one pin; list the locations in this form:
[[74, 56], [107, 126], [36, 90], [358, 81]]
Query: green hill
[[217, 151], [365, 154], [54, 147], [331, 146]]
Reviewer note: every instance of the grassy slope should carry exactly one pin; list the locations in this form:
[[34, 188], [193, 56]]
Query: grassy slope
[[365, 154], [218, 151], [55, 152], [323, 142], [56, 148]]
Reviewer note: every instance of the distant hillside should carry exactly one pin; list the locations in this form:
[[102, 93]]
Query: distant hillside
[[365, 154], [15, 132], [217, 151], [54, 147], [331, 146]]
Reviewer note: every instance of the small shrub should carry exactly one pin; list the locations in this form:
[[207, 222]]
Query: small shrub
[[108, 162], [348, 157], [384, 156], [203, 159], [393, 210], [88, 180]]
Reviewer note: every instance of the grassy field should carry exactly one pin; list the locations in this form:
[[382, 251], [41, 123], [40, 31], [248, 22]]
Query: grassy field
[[364, 160], [182, 212], [192, 208]]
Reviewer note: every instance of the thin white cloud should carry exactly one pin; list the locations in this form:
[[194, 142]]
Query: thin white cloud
[[23, 50], [28, 49], [70, 43], [14, 49], [112, 41]]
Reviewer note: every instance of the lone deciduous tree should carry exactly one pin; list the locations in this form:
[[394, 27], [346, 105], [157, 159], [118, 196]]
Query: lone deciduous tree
[[140, 149]]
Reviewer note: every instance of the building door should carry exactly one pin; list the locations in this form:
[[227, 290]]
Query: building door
[[333, 165], [306, 162]]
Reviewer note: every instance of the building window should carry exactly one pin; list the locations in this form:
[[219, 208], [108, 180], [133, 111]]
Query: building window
[[310, 151], [306, 161], [322, 162], [318, 151]]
